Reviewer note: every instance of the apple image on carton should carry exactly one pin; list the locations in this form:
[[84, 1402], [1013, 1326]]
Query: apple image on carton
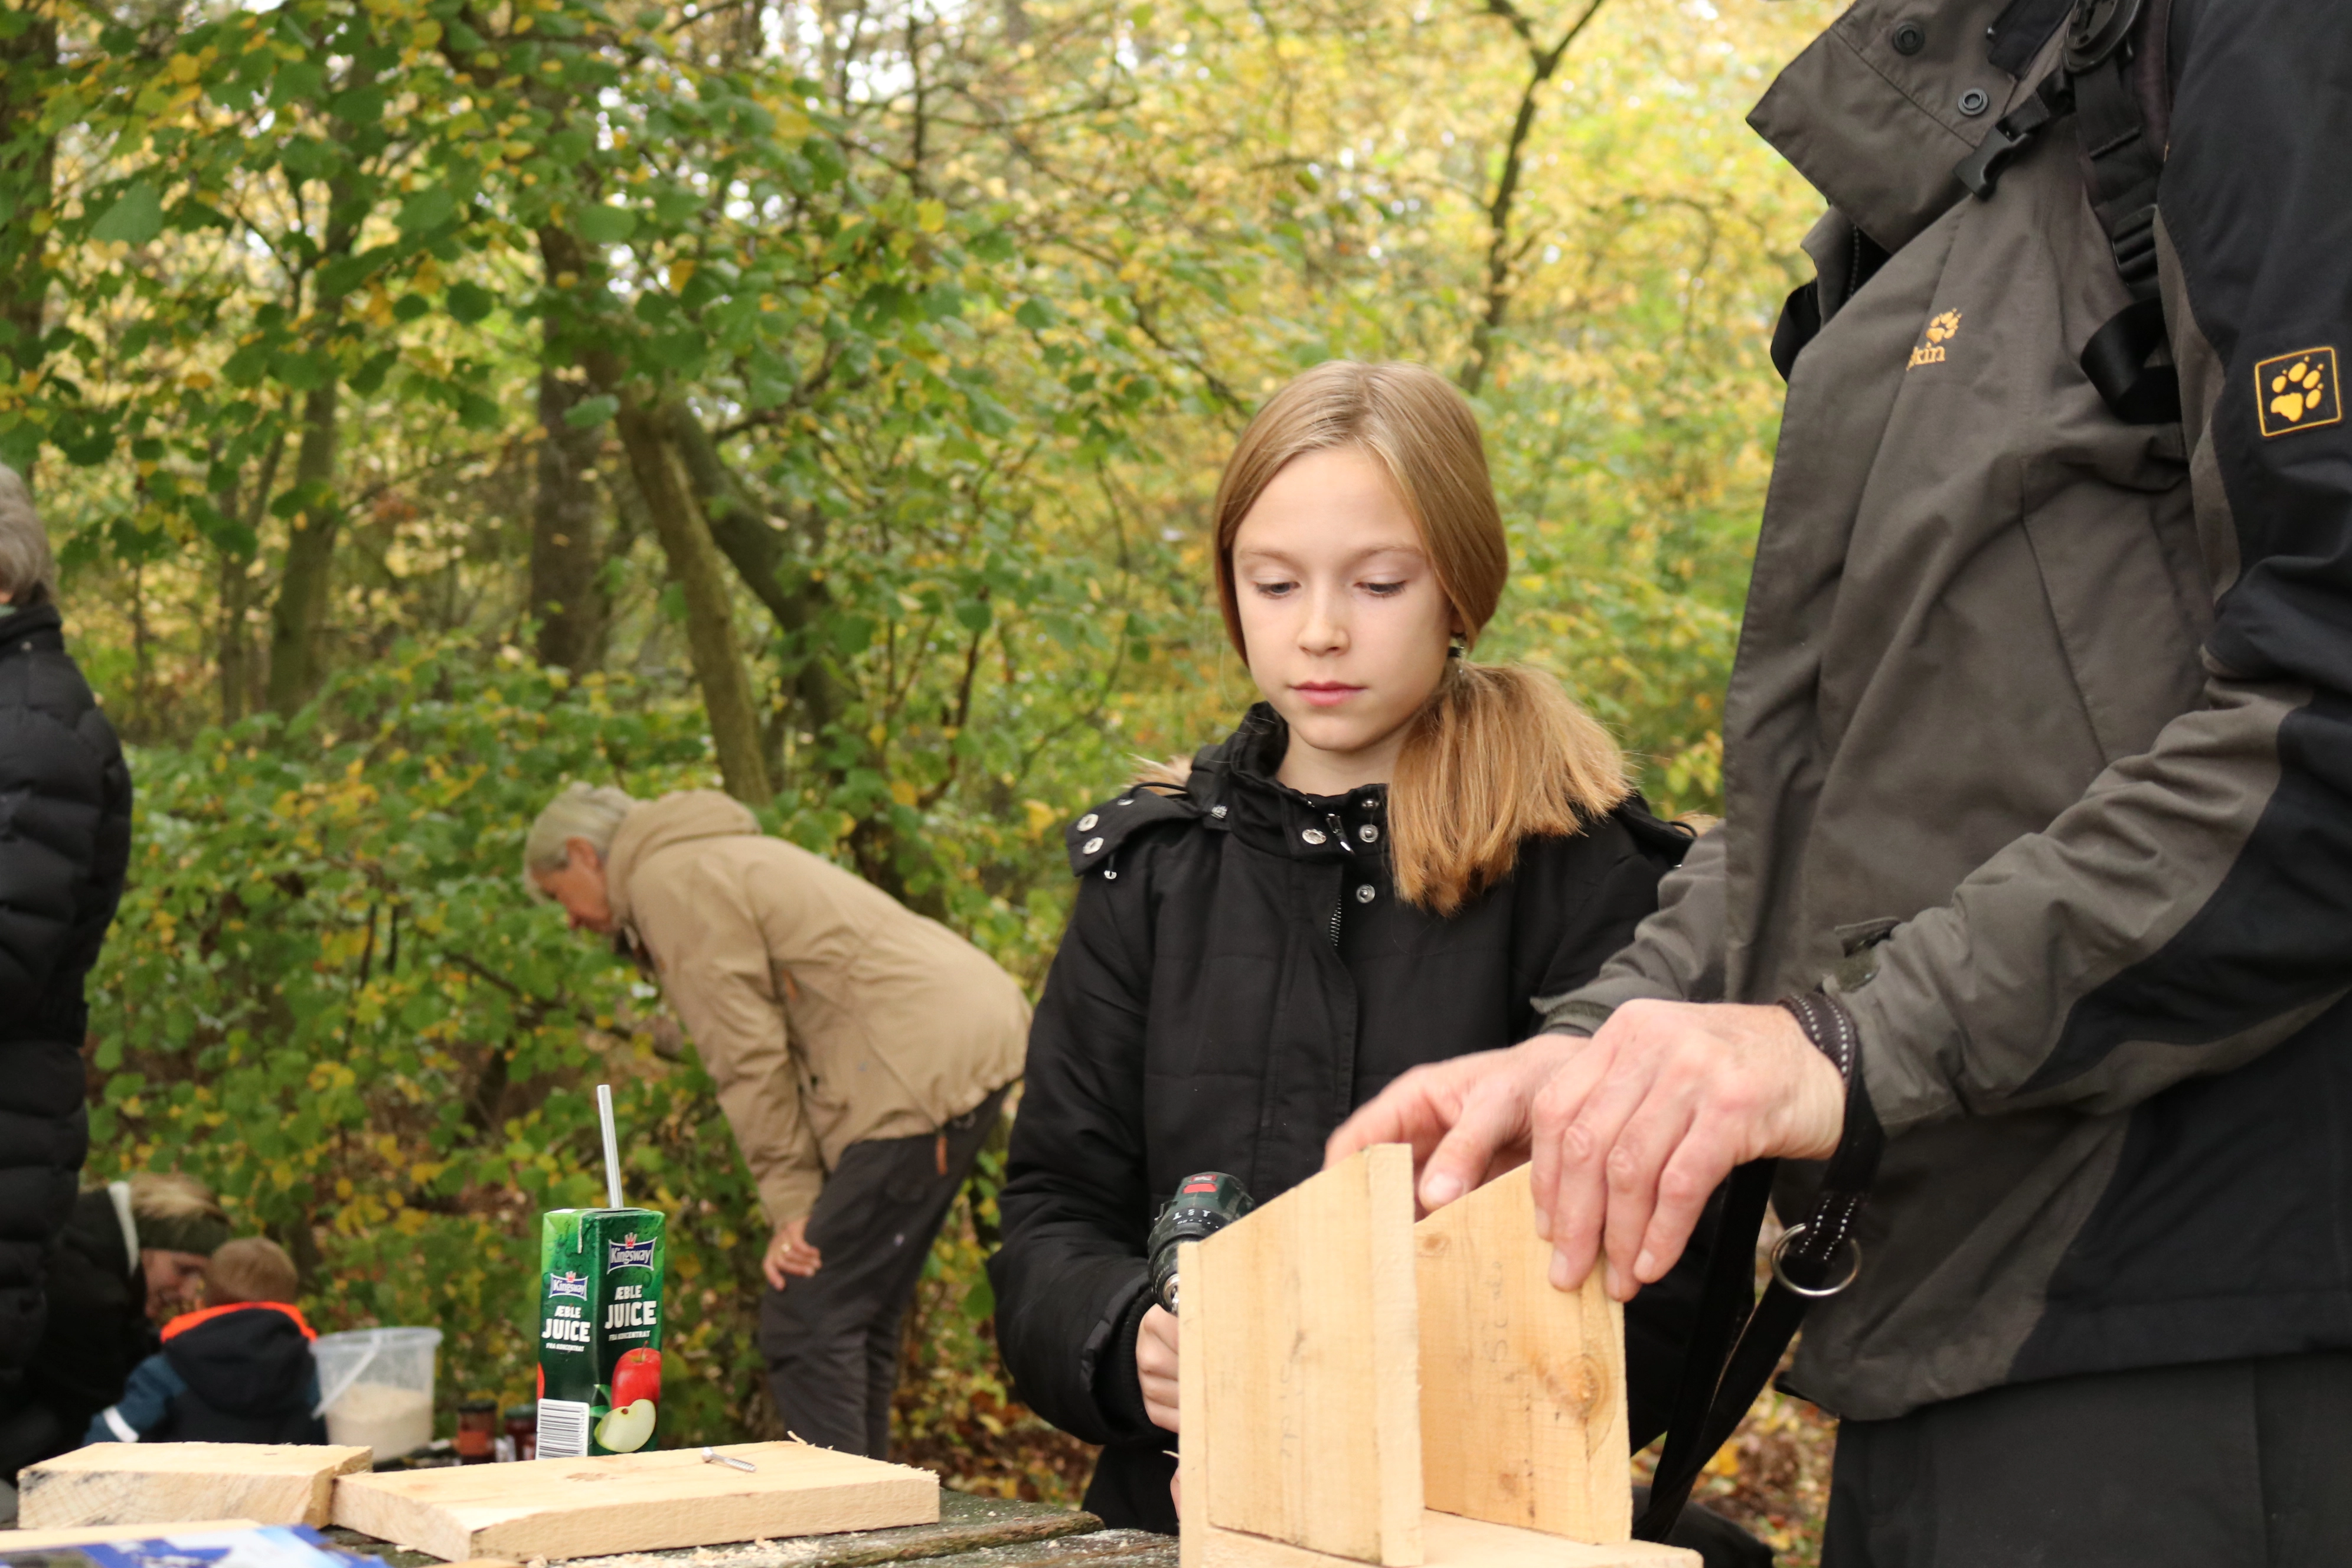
[[628, 1427], [636, 1375]]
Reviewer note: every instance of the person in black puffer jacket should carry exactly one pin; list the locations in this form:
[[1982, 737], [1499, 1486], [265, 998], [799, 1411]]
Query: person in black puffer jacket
[[1383, 865], [65, 844]]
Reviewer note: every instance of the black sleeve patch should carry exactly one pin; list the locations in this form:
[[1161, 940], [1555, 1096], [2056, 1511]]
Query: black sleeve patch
[[2257, 201]]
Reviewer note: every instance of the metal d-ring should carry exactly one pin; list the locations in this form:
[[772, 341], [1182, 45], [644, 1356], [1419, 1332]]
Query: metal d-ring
[[1812, 1293]]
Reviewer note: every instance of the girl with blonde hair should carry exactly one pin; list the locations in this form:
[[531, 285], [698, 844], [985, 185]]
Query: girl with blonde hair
[[1386, 863]]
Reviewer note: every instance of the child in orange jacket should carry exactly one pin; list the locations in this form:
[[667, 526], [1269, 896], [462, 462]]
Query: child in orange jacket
[[239, 1371]]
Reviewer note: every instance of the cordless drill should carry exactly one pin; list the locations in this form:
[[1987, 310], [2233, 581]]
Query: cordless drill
[[1203, 1205]]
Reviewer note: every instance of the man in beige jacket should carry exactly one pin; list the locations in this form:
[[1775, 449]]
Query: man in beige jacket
[[862, 1054]]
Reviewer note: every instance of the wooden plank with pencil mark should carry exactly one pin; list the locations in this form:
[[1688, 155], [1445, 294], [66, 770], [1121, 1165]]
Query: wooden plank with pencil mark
[[1450, 1541], [166, 1483], [1523, 1387], [1305, 1355], [634, 1502]]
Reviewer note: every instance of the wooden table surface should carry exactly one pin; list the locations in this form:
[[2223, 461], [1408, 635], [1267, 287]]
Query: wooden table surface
[[973, 1533]]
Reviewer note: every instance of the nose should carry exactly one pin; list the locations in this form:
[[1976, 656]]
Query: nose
[[1325, 629]]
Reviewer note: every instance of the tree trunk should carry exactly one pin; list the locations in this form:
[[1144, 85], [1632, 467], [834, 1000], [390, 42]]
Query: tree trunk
[[710, 622], [798, 603], [27, 162], [297, 619], [235, 661], [565, 594]]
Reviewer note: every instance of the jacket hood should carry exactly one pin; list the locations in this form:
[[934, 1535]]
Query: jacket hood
[[250, 1359], [658, 825], [1876, 111]]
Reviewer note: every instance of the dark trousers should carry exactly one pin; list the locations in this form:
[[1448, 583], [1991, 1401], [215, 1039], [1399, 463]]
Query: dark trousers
[[2243, 1463], [832, 1338]]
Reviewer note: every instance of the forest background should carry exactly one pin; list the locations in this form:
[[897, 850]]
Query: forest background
[[436, 400]]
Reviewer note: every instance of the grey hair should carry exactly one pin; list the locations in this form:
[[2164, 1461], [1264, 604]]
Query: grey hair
[[28, 571], [593, 811]]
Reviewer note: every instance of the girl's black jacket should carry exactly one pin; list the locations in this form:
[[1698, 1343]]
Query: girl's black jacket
[[1238, 975]]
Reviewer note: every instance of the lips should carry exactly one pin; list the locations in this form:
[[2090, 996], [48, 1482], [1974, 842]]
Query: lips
[[1326, 694]]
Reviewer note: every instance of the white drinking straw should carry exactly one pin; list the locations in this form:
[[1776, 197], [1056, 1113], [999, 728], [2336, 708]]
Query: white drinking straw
[[612, 1145]]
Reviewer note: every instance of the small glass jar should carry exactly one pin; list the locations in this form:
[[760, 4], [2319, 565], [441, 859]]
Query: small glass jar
[[522, 1429], [478, 1430]]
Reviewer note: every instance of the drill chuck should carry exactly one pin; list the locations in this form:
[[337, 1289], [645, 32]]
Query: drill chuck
[[1203, 1205]]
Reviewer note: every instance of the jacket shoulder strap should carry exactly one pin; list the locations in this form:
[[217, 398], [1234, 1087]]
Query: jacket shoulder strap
[[2115, 79]]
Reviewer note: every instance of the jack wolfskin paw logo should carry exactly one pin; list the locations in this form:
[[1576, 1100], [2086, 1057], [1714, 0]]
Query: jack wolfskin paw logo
[[1940, 330], [2298, 392]]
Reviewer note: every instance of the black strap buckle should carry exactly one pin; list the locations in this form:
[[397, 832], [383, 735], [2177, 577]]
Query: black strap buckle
[[2012, 133]]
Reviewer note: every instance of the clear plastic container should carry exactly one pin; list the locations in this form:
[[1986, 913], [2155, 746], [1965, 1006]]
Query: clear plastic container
[[375, 1388]]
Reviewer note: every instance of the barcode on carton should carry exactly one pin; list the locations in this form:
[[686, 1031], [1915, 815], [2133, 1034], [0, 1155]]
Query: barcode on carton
[[563, 1429]]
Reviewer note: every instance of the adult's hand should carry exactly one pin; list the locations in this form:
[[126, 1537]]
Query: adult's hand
[[789, 1253], [1629, 1131], [1155, 1366]]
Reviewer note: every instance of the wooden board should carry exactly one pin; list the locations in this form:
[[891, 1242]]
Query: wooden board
[[1299, 1372], [1450, 1541], [91, 1534], [1522, 1386], [165, 1483], [634, 1502]]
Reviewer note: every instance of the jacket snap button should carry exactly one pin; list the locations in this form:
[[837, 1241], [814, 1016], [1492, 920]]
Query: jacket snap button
[[1369, 833], [1974, 102], [1364, 895], [1124, 800], [1910, 37], [1110, 876], [1216, 811], [1087, 822], [1313, 835], [1091, 846]]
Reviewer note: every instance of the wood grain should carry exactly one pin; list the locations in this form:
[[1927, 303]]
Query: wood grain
[[92, 1535], [1449, 1540], [1300, 1342], [1522, 1386], [634, 1502], [168, 1483]]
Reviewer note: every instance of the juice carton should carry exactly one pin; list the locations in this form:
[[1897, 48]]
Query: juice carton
[[600, 1286]]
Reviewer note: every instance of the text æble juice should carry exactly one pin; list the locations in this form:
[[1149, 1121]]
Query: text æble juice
[[600, 1289]]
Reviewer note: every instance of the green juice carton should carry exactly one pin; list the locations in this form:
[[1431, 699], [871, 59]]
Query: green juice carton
[[600, 1292]]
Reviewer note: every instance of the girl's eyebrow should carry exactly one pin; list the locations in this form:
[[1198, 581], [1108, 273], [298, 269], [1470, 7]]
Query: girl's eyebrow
[[1282, 558]]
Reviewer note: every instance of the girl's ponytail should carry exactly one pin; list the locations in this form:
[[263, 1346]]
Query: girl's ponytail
[[1499, 753]]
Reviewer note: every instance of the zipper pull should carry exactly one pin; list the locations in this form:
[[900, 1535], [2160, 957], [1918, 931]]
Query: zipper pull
[[1339, 831]]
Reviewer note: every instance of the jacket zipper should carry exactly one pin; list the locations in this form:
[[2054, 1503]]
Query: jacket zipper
[[1339, 831]]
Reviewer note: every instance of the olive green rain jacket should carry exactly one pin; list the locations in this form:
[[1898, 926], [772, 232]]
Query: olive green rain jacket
[[2039, 743], [827, 1012]]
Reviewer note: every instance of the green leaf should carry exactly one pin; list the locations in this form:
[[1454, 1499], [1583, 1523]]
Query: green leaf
[[602, 224], [589, 411], [469, 303], [1034, 314], [298, 82], [427, 210], [136, 216]]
